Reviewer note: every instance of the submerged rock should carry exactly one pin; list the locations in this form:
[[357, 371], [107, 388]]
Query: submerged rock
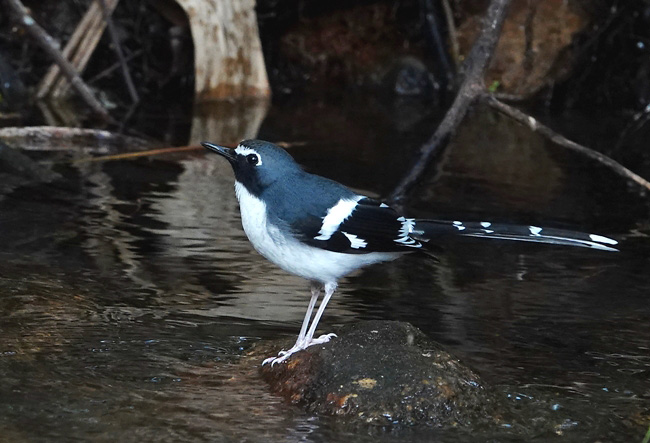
[[17, 169], [386, 373]]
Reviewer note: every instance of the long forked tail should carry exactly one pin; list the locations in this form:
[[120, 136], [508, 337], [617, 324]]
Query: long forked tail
[[426, 230]]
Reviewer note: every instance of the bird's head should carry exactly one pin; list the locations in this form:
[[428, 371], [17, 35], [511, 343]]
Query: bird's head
[[256, 163]]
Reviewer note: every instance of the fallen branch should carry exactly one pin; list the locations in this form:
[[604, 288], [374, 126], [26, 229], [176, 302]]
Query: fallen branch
[[78, 49], [472, 86], [58, 138], [560, 140], [48, 44]]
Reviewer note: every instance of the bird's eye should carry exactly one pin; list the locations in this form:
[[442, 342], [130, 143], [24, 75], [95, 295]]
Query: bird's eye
[[253, 159]]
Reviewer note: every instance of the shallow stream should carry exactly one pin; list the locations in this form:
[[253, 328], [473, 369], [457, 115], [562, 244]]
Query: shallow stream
[[129, 292]]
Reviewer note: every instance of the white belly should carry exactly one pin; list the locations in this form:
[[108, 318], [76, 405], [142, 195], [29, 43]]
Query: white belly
[[291, 255]]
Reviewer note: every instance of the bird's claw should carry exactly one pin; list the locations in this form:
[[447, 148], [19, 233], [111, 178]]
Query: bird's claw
[[276, 360], [322, 339]]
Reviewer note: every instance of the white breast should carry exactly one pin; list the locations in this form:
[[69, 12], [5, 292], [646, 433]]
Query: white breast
[[291, 255]]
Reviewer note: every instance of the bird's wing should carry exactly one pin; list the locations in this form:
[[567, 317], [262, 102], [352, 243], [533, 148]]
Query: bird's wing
[[356, 225]]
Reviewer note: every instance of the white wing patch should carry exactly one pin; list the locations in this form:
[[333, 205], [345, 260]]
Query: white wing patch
[[335, 216], [355, 242], [405, 232], [294, 256], [534, 230]]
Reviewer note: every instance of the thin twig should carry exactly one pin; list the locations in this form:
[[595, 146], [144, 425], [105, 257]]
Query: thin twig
[[118, 50], [441, 54], [559, 139], [474, 70], [638, 121], [47, 43], [131, 155], [115, 66], [451, 30]]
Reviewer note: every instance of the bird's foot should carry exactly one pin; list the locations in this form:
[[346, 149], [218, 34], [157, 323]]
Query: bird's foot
[[284, 355]]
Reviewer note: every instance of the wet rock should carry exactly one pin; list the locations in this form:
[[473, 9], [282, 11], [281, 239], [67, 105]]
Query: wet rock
[[340, 47], [536, 47], [409, 77], [385, 373]]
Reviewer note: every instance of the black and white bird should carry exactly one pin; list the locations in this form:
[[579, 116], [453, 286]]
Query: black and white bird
[[320, 230]]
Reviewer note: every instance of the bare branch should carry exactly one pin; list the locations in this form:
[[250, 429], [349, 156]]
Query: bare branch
[[48, 44], [559, 139], [451, 29], [118, 50], [472, 86]]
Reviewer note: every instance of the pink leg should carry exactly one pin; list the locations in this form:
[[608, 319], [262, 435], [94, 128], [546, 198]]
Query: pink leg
[[305, 338], [315, 292], [329, 290]]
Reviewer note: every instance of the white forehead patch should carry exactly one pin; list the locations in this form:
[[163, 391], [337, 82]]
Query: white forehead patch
[[245, 150]]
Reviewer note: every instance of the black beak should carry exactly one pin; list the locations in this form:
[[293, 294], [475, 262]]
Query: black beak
[[228, 153]]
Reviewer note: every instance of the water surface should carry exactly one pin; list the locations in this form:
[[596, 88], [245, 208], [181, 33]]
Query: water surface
[[129, 292]]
